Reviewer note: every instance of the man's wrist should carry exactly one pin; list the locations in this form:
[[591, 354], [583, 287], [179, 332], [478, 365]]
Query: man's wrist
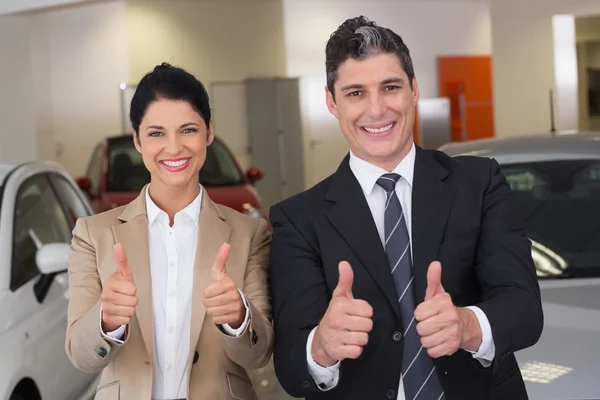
[[471, 331], [318, 353]]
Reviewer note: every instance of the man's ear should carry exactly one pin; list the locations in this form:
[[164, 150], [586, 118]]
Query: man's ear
[[330, 101]]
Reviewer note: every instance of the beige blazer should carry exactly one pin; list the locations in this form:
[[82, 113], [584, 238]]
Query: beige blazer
[[218, 371]]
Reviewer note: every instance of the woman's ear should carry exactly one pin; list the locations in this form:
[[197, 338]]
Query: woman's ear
[[136, 141], [210, 133]]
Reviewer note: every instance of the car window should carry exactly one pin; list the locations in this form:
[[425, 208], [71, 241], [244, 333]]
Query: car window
[[72, 203], [39, 219], [127, 172], [560, 204], [220, 169], [94, 171]]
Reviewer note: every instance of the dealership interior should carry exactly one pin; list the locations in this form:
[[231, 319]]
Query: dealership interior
[[513, 80]]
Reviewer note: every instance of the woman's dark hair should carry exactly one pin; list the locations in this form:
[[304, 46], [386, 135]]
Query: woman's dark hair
[[172, 83]]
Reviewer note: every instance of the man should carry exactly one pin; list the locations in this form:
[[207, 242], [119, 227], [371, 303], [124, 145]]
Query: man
[[406, 274]]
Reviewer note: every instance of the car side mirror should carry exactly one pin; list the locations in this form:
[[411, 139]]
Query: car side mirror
[[51, 259], [254, 174]]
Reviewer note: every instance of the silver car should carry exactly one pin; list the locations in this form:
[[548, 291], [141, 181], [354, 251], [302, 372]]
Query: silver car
[[556, 183], [39, 204]]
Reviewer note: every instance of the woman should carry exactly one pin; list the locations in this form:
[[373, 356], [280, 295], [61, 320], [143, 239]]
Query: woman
[[168, 294]]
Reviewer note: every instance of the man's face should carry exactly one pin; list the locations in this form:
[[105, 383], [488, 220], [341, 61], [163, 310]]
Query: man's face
[[375, 106]]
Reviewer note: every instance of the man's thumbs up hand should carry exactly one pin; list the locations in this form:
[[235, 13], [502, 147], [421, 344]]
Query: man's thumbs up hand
[[443, 327], [222, 298], [118, 294], [344, 286], [434, 280], [344, 329]]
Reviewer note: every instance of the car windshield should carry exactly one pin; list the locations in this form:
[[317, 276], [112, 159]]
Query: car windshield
[[127, 173], [560, 204]]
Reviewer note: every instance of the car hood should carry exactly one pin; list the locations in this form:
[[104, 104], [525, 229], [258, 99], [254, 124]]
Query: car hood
[[563, 364]]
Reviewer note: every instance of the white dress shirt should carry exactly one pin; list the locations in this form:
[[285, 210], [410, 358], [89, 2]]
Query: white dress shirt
[[172, 255], [367, 175]]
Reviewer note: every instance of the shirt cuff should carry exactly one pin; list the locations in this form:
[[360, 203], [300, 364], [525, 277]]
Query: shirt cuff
[[239, 331], [115, 336], [487, 349], [326, 378]]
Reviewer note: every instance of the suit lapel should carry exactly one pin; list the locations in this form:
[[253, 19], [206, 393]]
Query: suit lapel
[[133, 235], [431, 201], [213, 231], [352, 218]]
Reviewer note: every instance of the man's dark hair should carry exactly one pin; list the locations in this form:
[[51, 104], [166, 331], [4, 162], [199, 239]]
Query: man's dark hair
[[359, 38], [172, 83]]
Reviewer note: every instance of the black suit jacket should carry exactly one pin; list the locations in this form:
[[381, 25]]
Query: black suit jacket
[[463, 214]]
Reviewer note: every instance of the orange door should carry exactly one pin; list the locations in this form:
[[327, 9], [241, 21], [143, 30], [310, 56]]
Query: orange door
[[467, 82]]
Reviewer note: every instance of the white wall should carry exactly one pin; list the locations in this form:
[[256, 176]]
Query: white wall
[[13, 6], [523, 61], [82, 58], [17, 126], [81, 54], [225, 40], [429, 28]]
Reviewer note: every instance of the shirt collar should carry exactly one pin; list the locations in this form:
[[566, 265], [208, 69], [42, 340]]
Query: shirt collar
[[192, 210], [367, 174]]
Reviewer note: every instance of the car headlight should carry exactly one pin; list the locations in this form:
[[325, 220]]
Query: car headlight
[[251, 211], [547, 262]]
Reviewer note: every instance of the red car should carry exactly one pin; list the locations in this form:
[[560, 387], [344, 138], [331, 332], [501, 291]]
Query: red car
[[116, 174]]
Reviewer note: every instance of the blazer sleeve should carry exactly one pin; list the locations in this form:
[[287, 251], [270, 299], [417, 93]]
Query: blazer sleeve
[[254, 347], [87, 349], [300, 299], [506, 272]]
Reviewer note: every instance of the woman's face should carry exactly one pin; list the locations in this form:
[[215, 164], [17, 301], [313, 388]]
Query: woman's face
[[172, 140]]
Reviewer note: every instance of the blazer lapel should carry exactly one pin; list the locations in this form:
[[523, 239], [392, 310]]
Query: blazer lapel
[[133, 235], [352, 218], [431, 201], [213, 231]]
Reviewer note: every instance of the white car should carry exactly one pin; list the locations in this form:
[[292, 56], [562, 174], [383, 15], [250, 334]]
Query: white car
[[39, 204]]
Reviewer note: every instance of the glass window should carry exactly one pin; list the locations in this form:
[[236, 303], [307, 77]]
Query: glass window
[[94, 171], [220, 169], [560, 204], [126, 169], [39, 219], [73, 205]]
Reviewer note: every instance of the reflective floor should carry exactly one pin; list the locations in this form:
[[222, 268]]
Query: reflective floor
[[266, 384]]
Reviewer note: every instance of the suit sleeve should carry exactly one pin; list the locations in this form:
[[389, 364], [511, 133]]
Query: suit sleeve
[[254, 346], [86, 347], [300, 299], [506, 272]]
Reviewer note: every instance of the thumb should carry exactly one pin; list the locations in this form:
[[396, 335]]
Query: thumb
[[344, 287], [219, 269], [122, 263], [434, 280]]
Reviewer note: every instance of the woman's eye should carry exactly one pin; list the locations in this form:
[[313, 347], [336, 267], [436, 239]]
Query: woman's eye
[[190, 130], [154, 134]]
